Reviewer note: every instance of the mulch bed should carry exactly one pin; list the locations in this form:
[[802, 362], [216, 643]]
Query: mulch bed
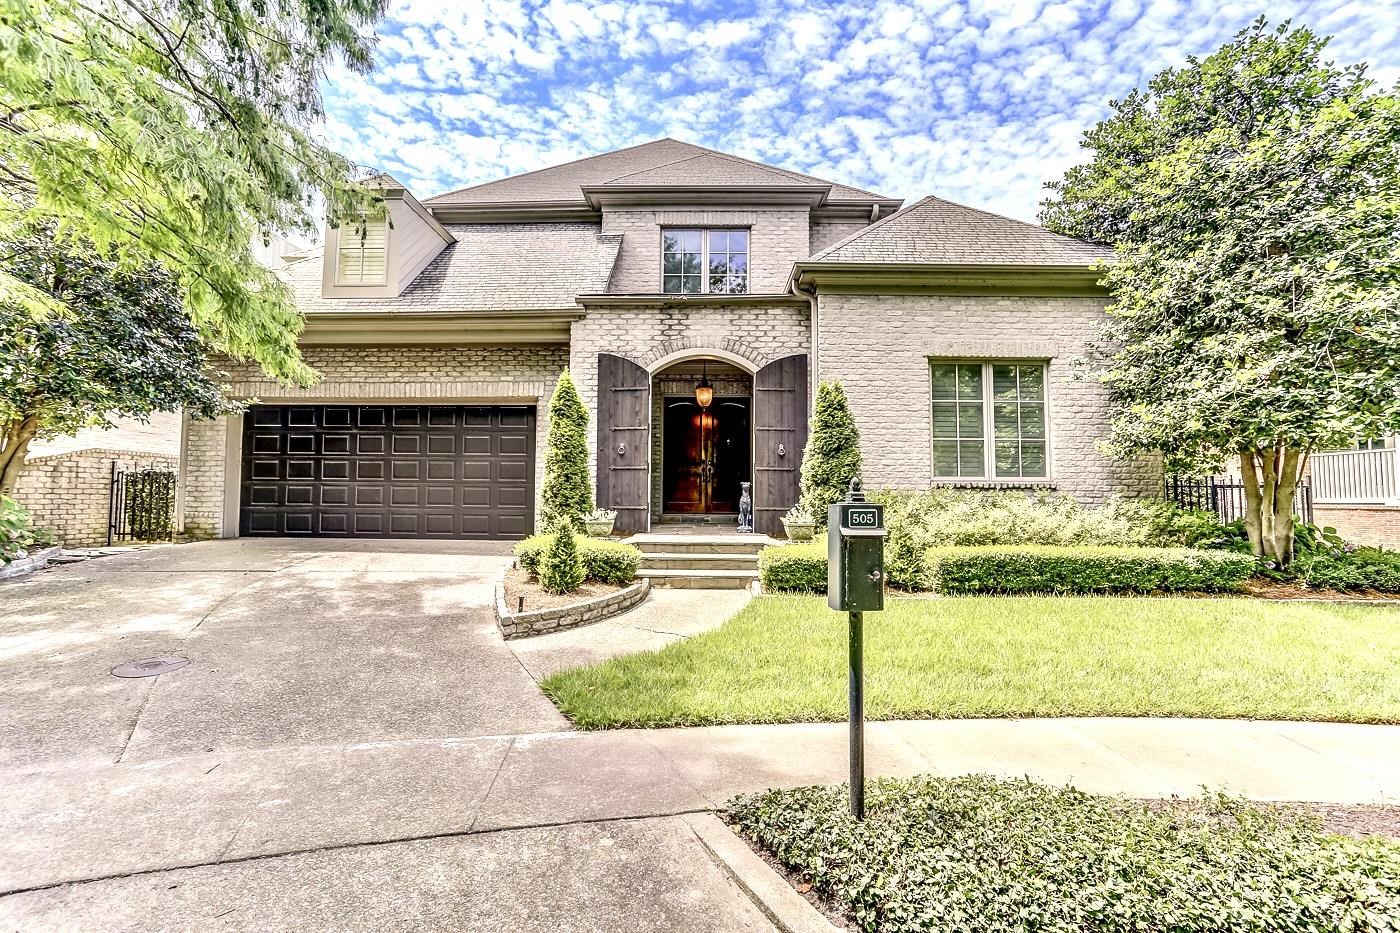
[[518, 583], [1262, 588]]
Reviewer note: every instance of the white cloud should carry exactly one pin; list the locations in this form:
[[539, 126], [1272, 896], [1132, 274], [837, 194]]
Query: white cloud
[[981, 101]]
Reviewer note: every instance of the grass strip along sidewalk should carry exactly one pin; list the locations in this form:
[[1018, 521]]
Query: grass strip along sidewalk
[[783, 659]]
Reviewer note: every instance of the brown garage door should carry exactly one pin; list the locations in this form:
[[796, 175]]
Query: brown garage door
[[388, 471]]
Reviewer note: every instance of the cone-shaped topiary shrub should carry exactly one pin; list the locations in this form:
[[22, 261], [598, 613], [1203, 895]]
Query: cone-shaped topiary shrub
[[833, 452], [561, 568], [568, 494]]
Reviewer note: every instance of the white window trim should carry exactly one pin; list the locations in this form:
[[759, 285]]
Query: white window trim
[[705, 259], [341, 280], [989, 477]]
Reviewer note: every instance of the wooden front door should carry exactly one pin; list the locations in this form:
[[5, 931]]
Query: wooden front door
[[780, 435], [624, 441], [705, 455]]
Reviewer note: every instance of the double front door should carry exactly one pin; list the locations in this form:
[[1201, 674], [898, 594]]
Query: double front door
[[706, 455]]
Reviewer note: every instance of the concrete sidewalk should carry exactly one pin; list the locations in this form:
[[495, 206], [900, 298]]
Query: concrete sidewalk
[[86, 821]]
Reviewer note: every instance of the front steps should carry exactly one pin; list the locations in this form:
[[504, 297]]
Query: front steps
[[704, 561]]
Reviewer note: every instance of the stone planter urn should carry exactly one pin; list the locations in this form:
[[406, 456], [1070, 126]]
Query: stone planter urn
[[799, 531], [799, 524], [599, 524]]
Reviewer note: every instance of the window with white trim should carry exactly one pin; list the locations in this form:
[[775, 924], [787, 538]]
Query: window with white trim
[[989, 420], [363, 253], [697, 262]]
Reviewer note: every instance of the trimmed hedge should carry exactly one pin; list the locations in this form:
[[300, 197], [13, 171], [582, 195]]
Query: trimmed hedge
[[793, 568], [603, 561], [1050, 569], [979, 854]]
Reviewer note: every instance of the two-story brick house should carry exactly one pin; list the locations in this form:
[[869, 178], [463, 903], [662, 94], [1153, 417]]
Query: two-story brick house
[[696, 298]]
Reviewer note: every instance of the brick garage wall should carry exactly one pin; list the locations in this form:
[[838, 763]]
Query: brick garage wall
[[69, 493], [879, 347], [1362, 524], [757, 333], [778, 238], [449, 375]]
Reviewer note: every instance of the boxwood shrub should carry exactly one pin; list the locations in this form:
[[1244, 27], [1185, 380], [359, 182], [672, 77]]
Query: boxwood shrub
[[1050, 569], [603, 561], [981, 855], [794, 568]]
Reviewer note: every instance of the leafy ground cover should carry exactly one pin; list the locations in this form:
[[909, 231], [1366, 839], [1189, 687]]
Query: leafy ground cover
[[783, 659], [982, 855]]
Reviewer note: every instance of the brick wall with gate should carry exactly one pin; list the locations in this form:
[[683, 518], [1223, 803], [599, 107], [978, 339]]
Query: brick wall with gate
[[69, 493]]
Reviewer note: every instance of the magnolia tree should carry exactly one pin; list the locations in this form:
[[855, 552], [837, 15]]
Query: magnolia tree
[[178, 132], [1254, 200], [124, 346]]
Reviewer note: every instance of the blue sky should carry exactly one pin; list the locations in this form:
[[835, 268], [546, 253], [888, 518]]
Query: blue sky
[[980, 102]]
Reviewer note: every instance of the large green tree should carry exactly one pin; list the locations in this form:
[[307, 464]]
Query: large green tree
[[1254, 200], [127, 349], [178, 132]]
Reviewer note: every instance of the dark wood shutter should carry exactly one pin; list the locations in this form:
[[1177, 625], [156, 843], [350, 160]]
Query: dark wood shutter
[[624, 441], [780, 435]]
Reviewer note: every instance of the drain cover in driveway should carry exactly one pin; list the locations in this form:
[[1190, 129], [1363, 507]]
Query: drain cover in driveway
[[149, 667]]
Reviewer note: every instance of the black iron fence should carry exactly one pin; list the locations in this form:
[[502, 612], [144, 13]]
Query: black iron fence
[[141, 505], [1225, 496]]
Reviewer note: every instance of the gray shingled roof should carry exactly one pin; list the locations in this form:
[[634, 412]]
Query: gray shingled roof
[[491, 267], [564, 182], [940, 232]]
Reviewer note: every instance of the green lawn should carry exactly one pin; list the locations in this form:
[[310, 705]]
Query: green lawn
[[783, 659]]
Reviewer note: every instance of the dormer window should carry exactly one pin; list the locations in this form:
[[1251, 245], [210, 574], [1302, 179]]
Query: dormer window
[[697, 262], [361, 259]]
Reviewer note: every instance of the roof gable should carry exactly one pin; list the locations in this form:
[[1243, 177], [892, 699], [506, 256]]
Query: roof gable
[[661, 162], [933, 231]]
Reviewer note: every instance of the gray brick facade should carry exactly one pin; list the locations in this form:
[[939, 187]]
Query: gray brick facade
[[879, 347], [446, 375], [776, 240]]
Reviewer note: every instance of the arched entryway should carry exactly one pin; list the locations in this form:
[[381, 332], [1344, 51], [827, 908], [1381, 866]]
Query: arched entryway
[[707, 458], [702, 440]]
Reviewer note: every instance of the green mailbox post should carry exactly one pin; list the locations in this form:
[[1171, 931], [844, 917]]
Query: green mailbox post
[[855, 584]]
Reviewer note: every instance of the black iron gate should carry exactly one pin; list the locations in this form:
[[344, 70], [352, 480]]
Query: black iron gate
[[1225, 496], [141, 505]]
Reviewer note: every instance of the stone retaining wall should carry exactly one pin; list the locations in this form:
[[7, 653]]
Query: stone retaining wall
[[542, 621], [37, 560]]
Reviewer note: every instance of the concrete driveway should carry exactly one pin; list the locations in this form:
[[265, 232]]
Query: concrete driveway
[[291, 643], [334, 757]]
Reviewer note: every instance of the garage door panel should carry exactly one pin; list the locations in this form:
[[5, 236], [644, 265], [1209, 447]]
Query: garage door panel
[[388, 471]]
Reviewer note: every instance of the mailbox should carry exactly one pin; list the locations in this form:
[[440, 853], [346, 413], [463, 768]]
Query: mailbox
[[855, 567]]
